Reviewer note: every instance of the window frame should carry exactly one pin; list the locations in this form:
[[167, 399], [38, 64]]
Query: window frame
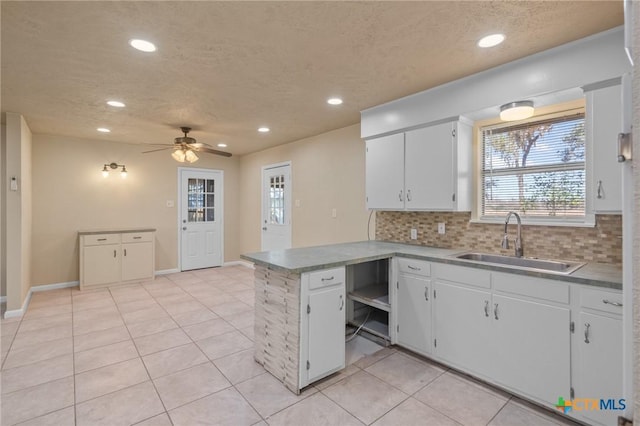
[[546, 113]]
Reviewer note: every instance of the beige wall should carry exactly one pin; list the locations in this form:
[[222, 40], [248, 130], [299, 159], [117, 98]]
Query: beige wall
[[327, 172], [3, 203], [17, 213], [70, 194]]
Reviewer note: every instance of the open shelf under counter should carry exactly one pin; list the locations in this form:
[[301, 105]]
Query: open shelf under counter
[[376, 295], [377, 323]]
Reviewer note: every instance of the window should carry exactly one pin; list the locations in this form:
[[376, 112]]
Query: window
[[536, 169]]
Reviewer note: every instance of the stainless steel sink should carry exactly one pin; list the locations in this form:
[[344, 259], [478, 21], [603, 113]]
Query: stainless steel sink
[[555, 266]]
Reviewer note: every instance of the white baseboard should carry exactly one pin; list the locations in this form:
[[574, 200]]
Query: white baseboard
[[47, 287], [36, 289], [167, 271], [239, 262]]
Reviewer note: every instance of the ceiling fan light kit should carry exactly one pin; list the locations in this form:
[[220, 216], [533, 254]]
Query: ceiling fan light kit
[[185, 148]]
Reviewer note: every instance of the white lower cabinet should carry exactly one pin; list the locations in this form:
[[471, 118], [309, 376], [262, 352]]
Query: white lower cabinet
[[413, 292], [114, 257], [462, 327], [322, 324], [508, 329], [533, 347], [598, 357]]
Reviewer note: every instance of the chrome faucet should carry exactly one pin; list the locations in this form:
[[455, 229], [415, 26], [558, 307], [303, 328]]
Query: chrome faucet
[[505, 239]]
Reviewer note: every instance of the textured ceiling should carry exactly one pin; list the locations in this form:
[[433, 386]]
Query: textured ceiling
[[226, 68]]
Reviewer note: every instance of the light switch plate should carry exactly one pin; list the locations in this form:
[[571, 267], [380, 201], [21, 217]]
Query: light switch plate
[[170, 203]]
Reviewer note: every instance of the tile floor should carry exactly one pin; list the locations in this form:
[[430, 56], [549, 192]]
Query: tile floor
[[178, 351]]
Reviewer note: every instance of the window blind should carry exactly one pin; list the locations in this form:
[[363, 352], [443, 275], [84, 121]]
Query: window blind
[[536, 169]]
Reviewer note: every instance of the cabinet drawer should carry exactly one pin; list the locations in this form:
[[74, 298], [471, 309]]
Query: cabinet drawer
[[414, 267], [326, 278], [540, 288], [99, 239], [461, 274], [137, 237], [607, 301]]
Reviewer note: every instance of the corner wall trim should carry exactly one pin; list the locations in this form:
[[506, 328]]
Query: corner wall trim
[[45, 287], [3, 299], [239, 262]]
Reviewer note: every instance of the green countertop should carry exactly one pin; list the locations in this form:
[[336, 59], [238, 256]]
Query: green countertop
[[307, 259]]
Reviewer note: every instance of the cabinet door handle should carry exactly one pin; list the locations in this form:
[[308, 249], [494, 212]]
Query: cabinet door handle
[[495, 311], [414, 268], [125, 252], [327, 279], [400, 196], [114, 253], [426, 293], [586, 332], [609, 302], [408, 195], [341, 302], [486, 308], [599, 189]]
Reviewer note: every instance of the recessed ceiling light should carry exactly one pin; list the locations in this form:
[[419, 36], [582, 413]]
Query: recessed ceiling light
[[222, 145], [263, 129], [142, 45], [103, 130], [491, 40], [116, 104], [334, 101]]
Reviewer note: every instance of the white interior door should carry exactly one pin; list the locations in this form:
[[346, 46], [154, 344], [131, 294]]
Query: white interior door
[[276, 207], [201, 214]]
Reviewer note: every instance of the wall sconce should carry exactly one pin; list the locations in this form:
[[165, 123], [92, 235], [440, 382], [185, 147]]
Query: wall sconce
[[514, 111], [114, 166]]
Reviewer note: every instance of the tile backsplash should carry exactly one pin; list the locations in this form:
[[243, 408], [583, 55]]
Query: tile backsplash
[[602, 243]]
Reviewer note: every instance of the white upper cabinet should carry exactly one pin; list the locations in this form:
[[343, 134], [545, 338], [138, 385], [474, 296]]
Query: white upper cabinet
[[603, 123], [424, 169], [385, 172]]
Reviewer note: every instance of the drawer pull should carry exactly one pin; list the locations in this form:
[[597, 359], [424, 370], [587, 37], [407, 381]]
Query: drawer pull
[[609, 302], [327, 279], [415, 268], [586, 332], [137, 238], [102, 239]]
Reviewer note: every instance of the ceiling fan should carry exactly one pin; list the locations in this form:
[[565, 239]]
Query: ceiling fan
[[185, 148]]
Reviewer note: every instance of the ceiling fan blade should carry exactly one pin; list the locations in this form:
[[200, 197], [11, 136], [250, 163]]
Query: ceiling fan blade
[[159, 144], [213, 151], [156, 150]]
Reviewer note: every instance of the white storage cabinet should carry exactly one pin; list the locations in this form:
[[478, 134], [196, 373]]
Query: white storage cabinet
[[322, 324], [424, 169], [598, 354], [115, 257], [603, 122], [413, 313]]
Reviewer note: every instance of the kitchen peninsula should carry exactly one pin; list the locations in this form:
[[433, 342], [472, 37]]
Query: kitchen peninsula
[[429, 301]]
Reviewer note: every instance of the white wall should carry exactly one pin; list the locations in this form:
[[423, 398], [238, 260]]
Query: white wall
[[327, 172], [17, 214]]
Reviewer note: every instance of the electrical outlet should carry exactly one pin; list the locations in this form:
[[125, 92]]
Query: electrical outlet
[[334, 213], [297, 203], [441, 228], [414, 234]]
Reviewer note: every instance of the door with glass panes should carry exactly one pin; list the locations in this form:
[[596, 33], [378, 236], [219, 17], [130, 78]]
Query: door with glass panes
[[201, 213], [276, 207]]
